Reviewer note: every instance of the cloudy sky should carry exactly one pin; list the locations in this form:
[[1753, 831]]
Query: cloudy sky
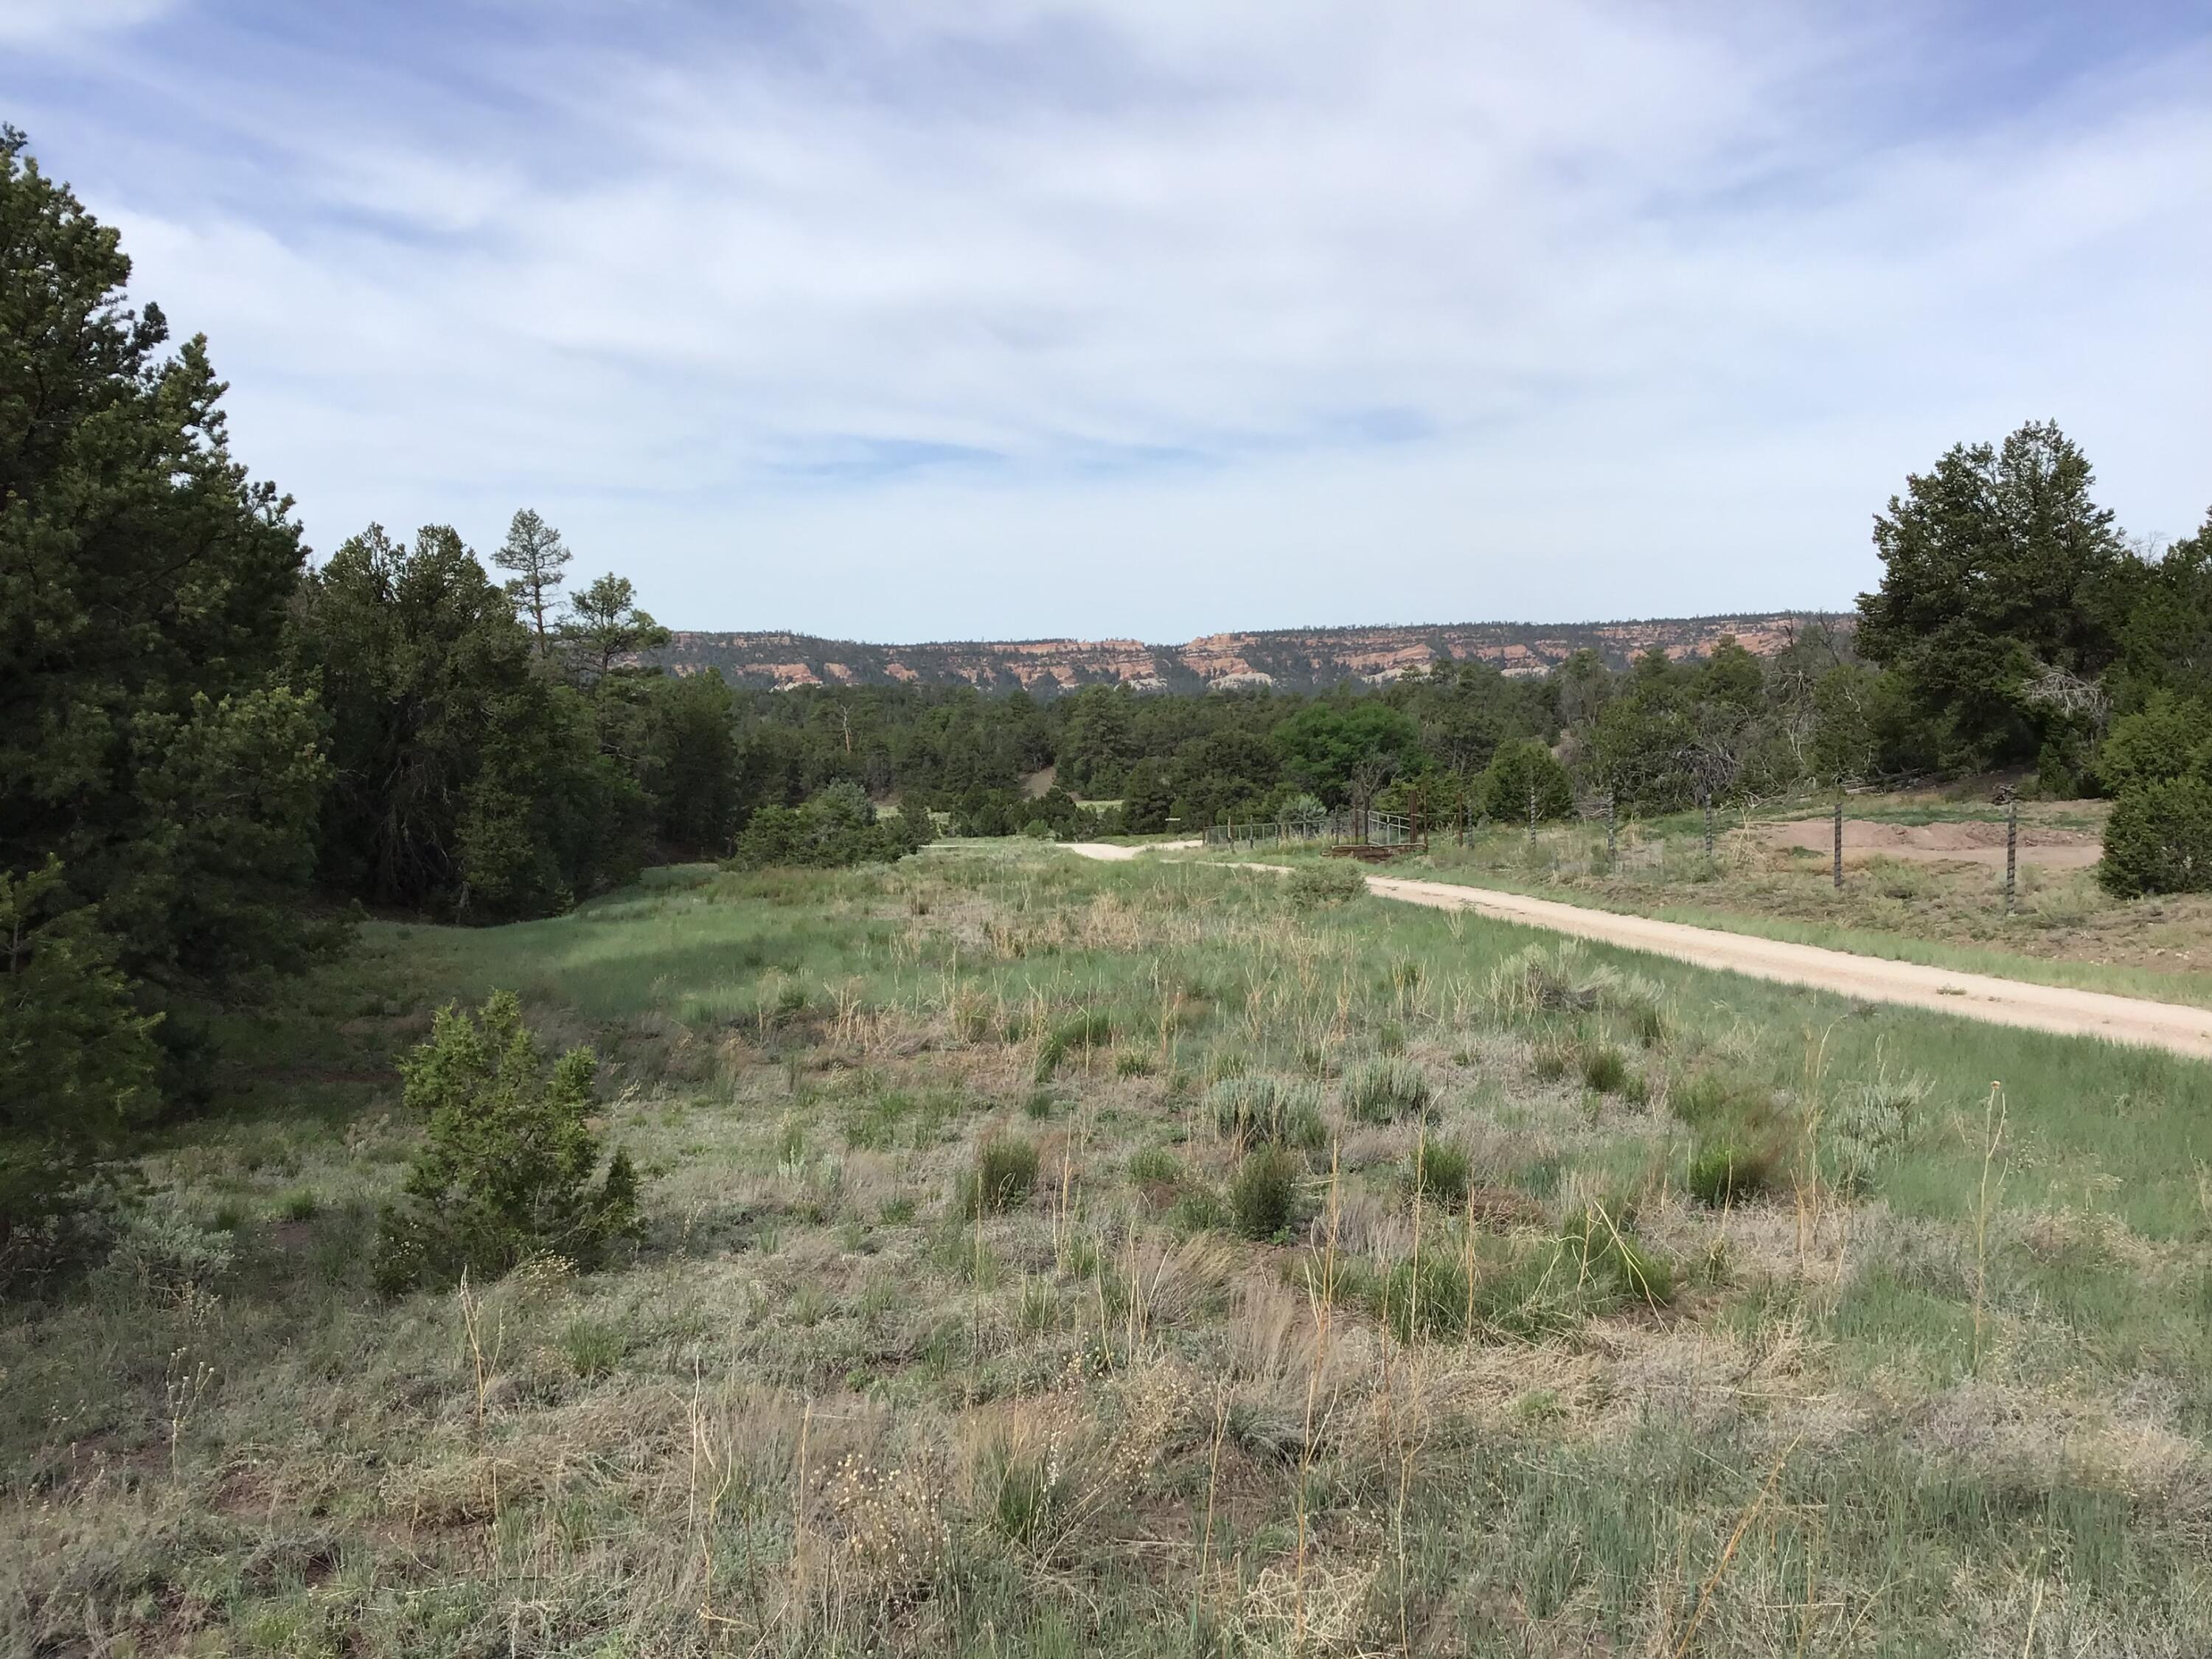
[[1151, 317]]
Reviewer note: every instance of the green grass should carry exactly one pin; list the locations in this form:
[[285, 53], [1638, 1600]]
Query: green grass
[[905, 1366]]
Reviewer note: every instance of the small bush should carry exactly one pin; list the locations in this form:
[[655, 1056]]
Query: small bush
[[1004, 1172], [1324, 884], [1441, 1171], [1264, 1108], [1385, 1089], [1264, 1193], [838, 828], [505, 1171], [2159, 840], [162, 1255]]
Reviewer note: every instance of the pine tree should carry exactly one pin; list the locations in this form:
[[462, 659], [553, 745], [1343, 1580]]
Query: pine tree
[[533, 551], [604, 626], [151, 754]]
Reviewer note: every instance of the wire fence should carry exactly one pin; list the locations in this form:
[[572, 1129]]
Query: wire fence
[[1356, 828]]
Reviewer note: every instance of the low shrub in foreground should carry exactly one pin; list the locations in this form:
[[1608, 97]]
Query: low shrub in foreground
[[506, 1172]]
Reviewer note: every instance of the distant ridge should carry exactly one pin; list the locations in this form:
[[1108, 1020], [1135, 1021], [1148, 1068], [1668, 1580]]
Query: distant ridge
[[1291, 658]]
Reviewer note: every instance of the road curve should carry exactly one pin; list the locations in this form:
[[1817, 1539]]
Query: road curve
[[2061, 1009]]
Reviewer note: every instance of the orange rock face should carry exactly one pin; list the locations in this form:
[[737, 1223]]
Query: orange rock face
[[1294, 659]]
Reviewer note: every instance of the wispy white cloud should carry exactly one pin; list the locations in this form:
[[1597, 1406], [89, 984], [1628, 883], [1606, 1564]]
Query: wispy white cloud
[[54, 23], [1134, 317]]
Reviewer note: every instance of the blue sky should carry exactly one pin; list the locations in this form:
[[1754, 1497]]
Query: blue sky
[[1139, 318]]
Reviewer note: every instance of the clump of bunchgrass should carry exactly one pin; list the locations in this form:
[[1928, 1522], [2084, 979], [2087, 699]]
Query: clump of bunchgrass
[[592, 1347], [1385, 1089], [1004, 1174], [1264, 1194], [1154, 1165], [1441, 1171], [1560, 979], [1721, 1172], [1605, 1068], [1262, 1107], [1091, 1029]]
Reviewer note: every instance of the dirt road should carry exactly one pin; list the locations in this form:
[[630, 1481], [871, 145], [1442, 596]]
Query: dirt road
[[2182, 1031]]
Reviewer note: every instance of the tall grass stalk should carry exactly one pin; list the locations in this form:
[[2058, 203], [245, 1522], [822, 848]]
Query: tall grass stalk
[[1321, 1297], [1993, 1129]]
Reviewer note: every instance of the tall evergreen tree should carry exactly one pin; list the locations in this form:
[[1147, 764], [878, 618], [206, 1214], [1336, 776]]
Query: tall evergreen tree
[[151, 757], [533, 551], [604, 626], [1998, 567]]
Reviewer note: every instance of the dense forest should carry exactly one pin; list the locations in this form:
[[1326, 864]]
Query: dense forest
[[215, 749]]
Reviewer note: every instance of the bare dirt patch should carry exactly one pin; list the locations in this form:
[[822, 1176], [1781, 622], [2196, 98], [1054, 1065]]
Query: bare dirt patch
[[1937, 844]]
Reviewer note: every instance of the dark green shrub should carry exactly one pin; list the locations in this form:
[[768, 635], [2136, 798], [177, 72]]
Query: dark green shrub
[[77, 1069], [1516, 771], [1264, 1193], [1330, 882], [1440, 1172], [839, 826], [1004, 1172], [505, 1171], [2159, 840], [1385, 1089], [2162, 741]]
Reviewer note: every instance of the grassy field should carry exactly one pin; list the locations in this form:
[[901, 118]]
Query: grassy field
[[1347, 1278], [2066, 930]]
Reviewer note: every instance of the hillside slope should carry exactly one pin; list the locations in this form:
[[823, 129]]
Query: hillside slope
[[1292, 660]]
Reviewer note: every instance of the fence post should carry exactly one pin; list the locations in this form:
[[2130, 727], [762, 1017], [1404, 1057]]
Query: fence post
[[1612, 824], [1709, 826], [2012, 852], [1532, 810], [1840, 841]]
